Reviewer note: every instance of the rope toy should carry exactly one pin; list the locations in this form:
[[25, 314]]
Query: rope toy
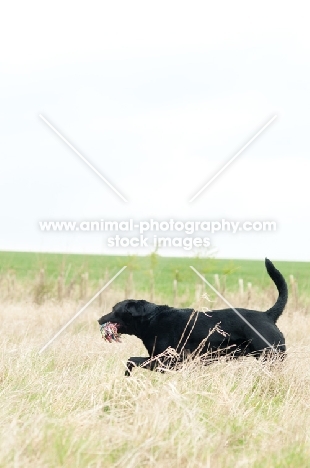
[[109, 332]]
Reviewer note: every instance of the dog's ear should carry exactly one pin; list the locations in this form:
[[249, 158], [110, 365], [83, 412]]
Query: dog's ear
[[135, 308]]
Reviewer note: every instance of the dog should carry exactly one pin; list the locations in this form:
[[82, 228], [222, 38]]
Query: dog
[[189, 332]]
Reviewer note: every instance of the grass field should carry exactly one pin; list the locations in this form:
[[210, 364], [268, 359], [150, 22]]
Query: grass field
[[71, 406], [26, 267]]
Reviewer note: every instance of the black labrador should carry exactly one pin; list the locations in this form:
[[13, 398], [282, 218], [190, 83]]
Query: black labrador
[[188, 332]]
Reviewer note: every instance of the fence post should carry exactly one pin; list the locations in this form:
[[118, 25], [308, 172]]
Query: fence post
[[70, 288], [198, 292], [294, 287], [203, 284], [42, 276], [11, 283], [217, 282], [60, 287], [249, 292], [241, 288], [100, 285], [152, 286], [129, 286], [84, 285], [175, 292]]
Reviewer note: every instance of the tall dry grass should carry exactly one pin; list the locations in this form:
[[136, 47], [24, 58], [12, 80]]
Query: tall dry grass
[[72, 407]]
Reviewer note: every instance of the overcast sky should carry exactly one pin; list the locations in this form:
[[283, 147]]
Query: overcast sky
[[158, 96]]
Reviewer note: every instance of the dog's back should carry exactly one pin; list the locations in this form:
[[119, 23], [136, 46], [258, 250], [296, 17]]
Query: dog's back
[[249, 330]]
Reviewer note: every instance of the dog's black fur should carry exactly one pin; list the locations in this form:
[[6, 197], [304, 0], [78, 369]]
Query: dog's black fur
[[161, 327]]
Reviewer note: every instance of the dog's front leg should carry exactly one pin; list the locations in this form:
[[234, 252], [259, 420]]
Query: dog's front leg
[[135, 362]]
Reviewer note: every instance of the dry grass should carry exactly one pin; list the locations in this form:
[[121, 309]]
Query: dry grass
[[72, 406]]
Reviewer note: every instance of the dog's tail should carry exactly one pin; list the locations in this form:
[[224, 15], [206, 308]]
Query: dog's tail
[[276, 310]]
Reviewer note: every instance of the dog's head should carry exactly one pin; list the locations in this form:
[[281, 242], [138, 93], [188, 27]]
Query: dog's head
[[128, 315]]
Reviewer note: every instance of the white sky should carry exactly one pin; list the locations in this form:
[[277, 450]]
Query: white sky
[[158, 96]]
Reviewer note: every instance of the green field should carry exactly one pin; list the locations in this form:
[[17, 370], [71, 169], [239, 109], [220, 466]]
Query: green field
[[25, 266]]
